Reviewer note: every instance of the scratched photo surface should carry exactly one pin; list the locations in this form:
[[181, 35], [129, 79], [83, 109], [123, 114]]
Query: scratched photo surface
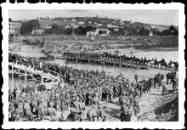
[[93, 65]]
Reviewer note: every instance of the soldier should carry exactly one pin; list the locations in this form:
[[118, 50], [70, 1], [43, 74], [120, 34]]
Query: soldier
[[51, 111], [124, 114], [174, 83], [27, 111], [163, 89], [100, 113]]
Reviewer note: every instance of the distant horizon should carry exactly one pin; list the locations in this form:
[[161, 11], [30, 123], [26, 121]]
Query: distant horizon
[[93, 17], [156, 17]]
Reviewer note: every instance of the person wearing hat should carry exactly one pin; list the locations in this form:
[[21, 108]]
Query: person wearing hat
[[100, 113], [124, 113]]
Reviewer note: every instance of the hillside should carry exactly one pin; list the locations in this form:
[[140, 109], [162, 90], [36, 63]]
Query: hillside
[[81, 25]]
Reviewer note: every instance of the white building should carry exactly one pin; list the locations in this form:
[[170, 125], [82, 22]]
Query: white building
[[150, 33], [73, 20], [67, 26], [37, 32], [73, 25], [102, 32], [81, 23], [112, 26], [98, 32], [90, 22], [14, 27], [98, 25]]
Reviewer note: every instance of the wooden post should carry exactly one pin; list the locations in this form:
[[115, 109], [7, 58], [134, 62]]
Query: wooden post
[[120, 61], [25, 78], [12, 74], [77, 58], [42, 81], [55, 51], [103, 63]]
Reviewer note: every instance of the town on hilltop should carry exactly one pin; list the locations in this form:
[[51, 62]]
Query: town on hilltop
[[88, 26]]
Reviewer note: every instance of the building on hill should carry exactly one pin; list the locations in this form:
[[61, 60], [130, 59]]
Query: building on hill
[[98, 32], [73, 20], [99, 25], [74, 26], [160, 28], [89, 22], [81, 22], [91, 35], [67, 26], [150, 33], [113, 27], [14, 27], [45, 23], [37, 31], [102, 31]]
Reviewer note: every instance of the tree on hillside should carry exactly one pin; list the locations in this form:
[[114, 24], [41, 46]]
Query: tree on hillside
[[155, 31], [173, 30], [28, 26], [170, 31], [89, 28], [143, 32], [55, 29], [80, 30], [68, 31]]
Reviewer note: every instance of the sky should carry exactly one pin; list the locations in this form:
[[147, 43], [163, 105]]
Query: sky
[[162, 17]]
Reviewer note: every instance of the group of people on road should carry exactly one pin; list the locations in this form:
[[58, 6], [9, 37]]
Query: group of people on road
[[80, 96], [118, 60]]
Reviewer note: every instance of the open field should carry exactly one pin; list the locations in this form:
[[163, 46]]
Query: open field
[[99, 43]]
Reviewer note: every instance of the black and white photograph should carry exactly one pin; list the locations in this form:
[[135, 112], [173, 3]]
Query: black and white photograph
[[94, 65]]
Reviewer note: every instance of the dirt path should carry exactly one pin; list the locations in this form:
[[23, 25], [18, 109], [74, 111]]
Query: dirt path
[[148, 103], [154, 99], [111, 111]]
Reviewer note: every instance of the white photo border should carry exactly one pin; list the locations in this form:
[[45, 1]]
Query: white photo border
[[68, 125]]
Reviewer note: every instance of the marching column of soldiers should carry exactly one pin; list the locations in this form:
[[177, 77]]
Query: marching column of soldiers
[[119, 60]]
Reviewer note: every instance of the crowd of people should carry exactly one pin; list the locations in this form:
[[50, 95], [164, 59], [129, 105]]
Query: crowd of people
[[119, 60], [79, 94]]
